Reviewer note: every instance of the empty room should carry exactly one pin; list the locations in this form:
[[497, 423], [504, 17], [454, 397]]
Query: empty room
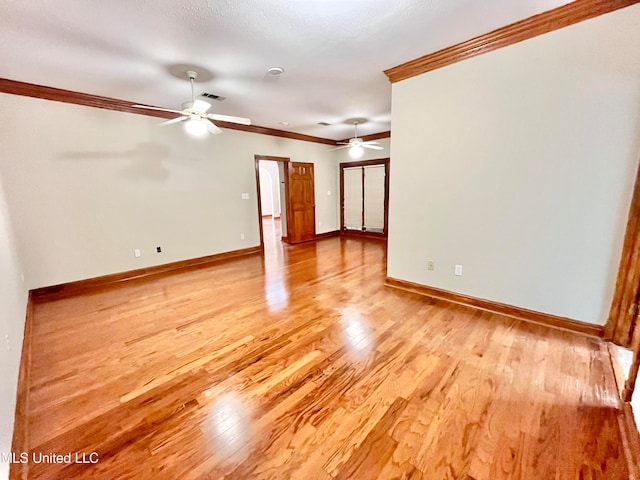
[[320, 239]]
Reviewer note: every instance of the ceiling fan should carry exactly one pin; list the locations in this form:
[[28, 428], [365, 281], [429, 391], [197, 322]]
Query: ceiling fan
[[195, 113], [356, 145]]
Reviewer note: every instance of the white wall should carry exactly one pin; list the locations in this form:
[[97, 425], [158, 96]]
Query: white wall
[[86, 187], [283, 202], [272, 167], [266, 195], [13, 301], [519, 165]]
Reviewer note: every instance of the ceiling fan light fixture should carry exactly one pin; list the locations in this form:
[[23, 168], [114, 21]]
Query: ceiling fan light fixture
[[196, 127], [198, 122], [356, 151]]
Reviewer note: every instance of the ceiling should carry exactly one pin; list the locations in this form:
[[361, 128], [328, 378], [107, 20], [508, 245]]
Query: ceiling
[[333, 52]]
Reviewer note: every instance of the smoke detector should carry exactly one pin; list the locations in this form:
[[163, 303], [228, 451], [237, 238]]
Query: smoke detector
[[275, 71]]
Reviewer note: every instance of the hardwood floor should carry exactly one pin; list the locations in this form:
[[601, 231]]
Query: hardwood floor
[[302, 365]]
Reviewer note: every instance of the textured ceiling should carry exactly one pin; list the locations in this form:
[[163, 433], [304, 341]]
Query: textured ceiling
[[333, 51]]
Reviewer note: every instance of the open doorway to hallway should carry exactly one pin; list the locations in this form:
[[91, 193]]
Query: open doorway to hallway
[[288, 191], [272, 190], [272, 199]]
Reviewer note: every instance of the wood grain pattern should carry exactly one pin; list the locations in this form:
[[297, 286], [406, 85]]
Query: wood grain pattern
[[20, 440], [619, 374], [301, 202], [630, 384], [91, 284], [15, 87], [302, 365], [504, 309], [631, 441], [534, 26], [622, 321]]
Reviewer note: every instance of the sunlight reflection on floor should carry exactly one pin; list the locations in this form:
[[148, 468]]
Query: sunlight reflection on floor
[[228, 429]]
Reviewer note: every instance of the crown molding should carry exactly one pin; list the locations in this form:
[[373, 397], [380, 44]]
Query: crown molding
[[275, 132], [371, 137], [24, 89], [534, 26]]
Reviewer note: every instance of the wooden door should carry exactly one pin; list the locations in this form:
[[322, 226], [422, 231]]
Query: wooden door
[[301, 221]]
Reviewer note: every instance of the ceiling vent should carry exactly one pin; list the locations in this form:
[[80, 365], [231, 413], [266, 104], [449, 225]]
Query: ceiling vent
[[213, 96], [324, 124]]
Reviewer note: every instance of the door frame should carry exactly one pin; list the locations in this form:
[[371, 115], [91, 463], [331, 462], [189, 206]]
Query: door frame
[[366, 163], [285, 180], [623, 315]]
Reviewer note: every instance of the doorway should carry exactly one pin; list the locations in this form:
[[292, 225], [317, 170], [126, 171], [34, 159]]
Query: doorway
[[364, 198], [270, 200], [272, 193], [292, 198]]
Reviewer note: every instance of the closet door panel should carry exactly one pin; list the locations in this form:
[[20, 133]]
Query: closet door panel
[[374, 198], [353, 198]]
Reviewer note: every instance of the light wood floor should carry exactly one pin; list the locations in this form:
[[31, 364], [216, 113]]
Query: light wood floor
[[302, 365]]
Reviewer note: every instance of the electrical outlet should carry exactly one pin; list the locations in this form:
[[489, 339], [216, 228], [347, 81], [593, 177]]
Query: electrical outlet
[[329, 193], [431, 265], [6, 339], [458, 270], [245, 196], [242, 236], [159, 249], [136, 252]]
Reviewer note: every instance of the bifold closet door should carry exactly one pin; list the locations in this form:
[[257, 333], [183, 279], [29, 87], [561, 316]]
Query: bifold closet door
[[374, 198], [353, 198]]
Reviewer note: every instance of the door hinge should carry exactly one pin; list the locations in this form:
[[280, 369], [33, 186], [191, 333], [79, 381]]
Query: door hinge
[[634, 310]]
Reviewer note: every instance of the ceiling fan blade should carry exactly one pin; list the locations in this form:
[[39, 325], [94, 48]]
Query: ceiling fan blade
[[200, 106], [172, 121], [371, 143], [213, 128], [372, 147], [229, 118], [338, 148], [147, 107], [343, 143]]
